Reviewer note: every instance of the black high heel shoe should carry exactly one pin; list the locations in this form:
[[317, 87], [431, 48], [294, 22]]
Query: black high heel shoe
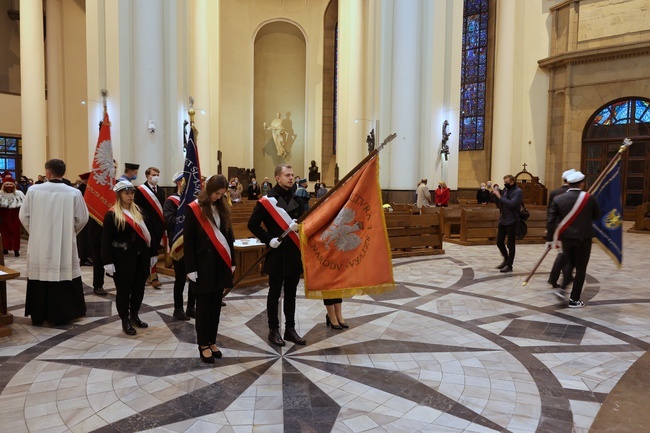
[[344, 325], [329, 323], [207, 359], [216, 353]]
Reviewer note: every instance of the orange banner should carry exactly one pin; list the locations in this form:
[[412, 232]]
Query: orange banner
[[99, 196], [344, 243]]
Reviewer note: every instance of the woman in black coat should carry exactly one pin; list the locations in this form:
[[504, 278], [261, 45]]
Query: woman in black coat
[[128, 254], [209, 260]]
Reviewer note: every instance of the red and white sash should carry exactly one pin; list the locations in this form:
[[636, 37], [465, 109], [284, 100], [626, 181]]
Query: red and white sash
[[216, 237], [140, 228], [174, 198], [280, 216], [153, 201], [572, 215]]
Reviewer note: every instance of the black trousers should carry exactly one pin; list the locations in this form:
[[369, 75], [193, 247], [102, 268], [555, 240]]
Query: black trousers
[[561, 264], [509, 254], [290, 284], [577, 252], [180, 276], [208, 312], [130, 288], [95, 245]]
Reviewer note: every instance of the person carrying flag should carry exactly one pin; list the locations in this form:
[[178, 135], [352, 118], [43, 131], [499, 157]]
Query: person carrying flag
[[569, 219], [278, 211]]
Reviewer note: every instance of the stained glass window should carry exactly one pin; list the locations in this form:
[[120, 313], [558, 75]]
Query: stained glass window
[[473, 74], [10, 149], [623, 118]]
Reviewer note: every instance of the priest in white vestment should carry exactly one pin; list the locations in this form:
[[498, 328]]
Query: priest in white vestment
[[53, 213]]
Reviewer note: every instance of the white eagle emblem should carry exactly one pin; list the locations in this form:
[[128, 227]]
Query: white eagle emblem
[[103, 168], [341, 232]]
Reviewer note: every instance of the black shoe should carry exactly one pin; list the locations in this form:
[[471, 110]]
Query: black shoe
[[503, 264], [127, 328], [180, 314], [275, 338], [344, 325], [16, 253], [137, 322], [99, 291], [506, 269], [207, 359], [329, 323], [86, 263], [216, 353], [223, 304], [191, 312], [290, 334], [5, 252], [554, 285], [566, 283]]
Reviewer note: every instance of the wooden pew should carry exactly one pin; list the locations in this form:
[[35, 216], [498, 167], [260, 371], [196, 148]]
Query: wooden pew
[[641, 219], [6, 318], [536, 226], [414, 235]]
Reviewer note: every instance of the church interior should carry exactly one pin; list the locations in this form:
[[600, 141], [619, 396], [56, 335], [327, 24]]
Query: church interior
[[473, 89]]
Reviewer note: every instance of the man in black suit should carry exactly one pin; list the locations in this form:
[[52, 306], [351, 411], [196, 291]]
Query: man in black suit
[[278, 210], [561, 262], [576, 233], [150, 199]]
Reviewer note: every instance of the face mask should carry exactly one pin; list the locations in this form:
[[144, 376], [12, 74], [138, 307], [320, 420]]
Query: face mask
[[508, 185], [154, 180], [482, 188], [134, 177], [254, 182], [489, 185]]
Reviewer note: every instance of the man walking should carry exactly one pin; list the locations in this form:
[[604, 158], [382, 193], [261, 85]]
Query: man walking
[[509, 202], [569, 219], [561, 262], [278, 211]]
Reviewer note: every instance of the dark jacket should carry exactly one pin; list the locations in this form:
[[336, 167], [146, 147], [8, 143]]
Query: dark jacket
[[482, 196], [285, 259], [509, 204], [169, 211], [254, 192], [157, 226], [581, 227], [561, 190], [202, 257], [122, 247]]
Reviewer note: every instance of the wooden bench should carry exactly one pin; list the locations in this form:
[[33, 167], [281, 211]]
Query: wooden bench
[[536, 226], [6, 318], [414, 235], [641, 219]]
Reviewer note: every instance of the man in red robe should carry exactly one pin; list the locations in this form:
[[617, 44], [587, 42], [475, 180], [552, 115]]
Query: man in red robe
[[11, 199]]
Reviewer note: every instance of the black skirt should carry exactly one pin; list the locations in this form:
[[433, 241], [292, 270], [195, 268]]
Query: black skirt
[[55, 302]]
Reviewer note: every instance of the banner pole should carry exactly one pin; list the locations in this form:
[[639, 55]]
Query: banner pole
[[626, 143], [341, 182]]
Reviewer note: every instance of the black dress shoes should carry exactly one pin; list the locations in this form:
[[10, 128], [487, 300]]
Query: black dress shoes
[[275, 338], [99, 291], [16, 253], [290, 334], [216, 354], [329, 323], [127, 328], [191, 312], [554, 285], [179, 314], [208, 359], [503, 264], [223, 304], [506, 269], [137, 322]]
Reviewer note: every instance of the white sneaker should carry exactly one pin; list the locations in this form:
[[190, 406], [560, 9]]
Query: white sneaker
[[576, 304]]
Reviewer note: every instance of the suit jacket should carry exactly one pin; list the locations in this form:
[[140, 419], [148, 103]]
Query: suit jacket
[[122, 247], [157, 226], [284, 260], [202, 257], [169, 211], [561, 190], [581, 227], [509, 204]]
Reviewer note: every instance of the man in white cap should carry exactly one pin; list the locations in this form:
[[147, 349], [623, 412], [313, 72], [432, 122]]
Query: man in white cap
[[561, 262], [570, 216]]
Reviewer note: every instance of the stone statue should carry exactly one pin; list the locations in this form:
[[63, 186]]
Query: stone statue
[[314, 175], [279, 134]]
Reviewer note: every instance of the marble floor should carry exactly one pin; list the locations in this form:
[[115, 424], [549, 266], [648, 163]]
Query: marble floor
[[457, 347]]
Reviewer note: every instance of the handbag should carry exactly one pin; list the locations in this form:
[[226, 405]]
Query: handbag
[[520, 229], [524, 214]]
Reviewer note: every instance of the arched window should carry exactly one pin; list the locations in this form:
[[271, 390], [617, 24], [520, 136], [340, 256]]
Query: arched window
[[623, 118]]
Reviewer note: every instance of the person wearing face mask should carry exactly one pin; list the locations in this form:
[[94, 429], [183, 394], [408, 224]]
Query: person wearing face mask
[[150, 199], [483, 195], [509, 203], [254, 191], [11, 199], [130, 172], [442, 195], [24, 185], [266, 186]]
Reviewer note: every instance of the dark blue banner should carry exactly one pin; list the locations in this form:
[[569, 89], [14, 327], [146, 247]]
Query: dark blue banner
[[191, 188], [609, 228]]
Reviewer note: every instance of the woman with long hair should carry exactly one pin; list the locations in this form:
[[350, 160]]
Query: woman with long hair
[[209, 260], [442, 194], [128, 254]]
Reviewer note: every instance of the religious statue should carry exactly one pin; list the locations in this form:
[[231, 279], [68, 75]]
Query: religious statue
[[314, 175], [445, 137], [279, 134]]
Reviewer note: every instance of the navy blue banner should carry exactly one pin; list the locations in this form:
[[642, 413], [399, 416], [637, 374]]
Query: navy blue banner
[[609, 228]]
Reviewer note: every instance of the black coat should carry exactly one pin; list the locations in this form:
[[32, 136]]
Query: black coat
[[254, 192], [581, 227], [157, 226], [561, 190], [122, 247], [284, 260], [170, 208], [202, 257]]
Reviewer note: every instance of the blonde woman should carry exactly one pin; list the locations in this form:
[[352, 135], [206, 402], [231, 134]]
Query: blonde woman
[[128, 255], [442, 194]]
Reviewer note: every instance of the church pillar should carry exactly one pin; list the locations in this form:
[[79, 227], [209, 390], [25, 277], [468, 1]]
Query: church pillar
[[149, 121], [55, 108], [32, 88], [504, 77], [200, 88]]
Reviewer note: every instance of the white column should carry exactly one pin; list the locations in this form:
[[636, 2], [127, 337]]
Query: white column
[[405, 94], [32, 88], [504, 77], [148, 86], [200, 88], [55, 108]]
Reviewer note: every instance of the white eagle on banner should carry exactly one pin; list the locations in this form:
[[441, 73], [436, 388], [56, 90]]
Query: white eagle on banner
[[105, 171], [341, 232]]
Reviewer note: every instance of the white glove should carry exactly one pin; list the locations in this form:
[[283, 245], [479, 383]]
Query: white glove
[[294, 226], [153, 261], [552, 245], [274, 243], [110, 269], [232, 268], [192, 276]]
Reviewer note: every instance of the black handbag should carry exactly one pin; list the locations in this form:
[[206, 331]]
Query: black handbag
[[524, 214], [520, 229]]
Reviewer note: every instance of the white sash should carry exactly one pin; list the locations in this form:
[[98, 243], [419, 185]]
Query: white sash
[[140, 228], [280, 216], [153, 200], [571, 216]]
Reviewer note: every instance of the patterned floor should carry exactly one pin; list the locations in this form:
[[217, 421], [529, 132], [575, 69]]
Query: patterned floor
[[458, 347]]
